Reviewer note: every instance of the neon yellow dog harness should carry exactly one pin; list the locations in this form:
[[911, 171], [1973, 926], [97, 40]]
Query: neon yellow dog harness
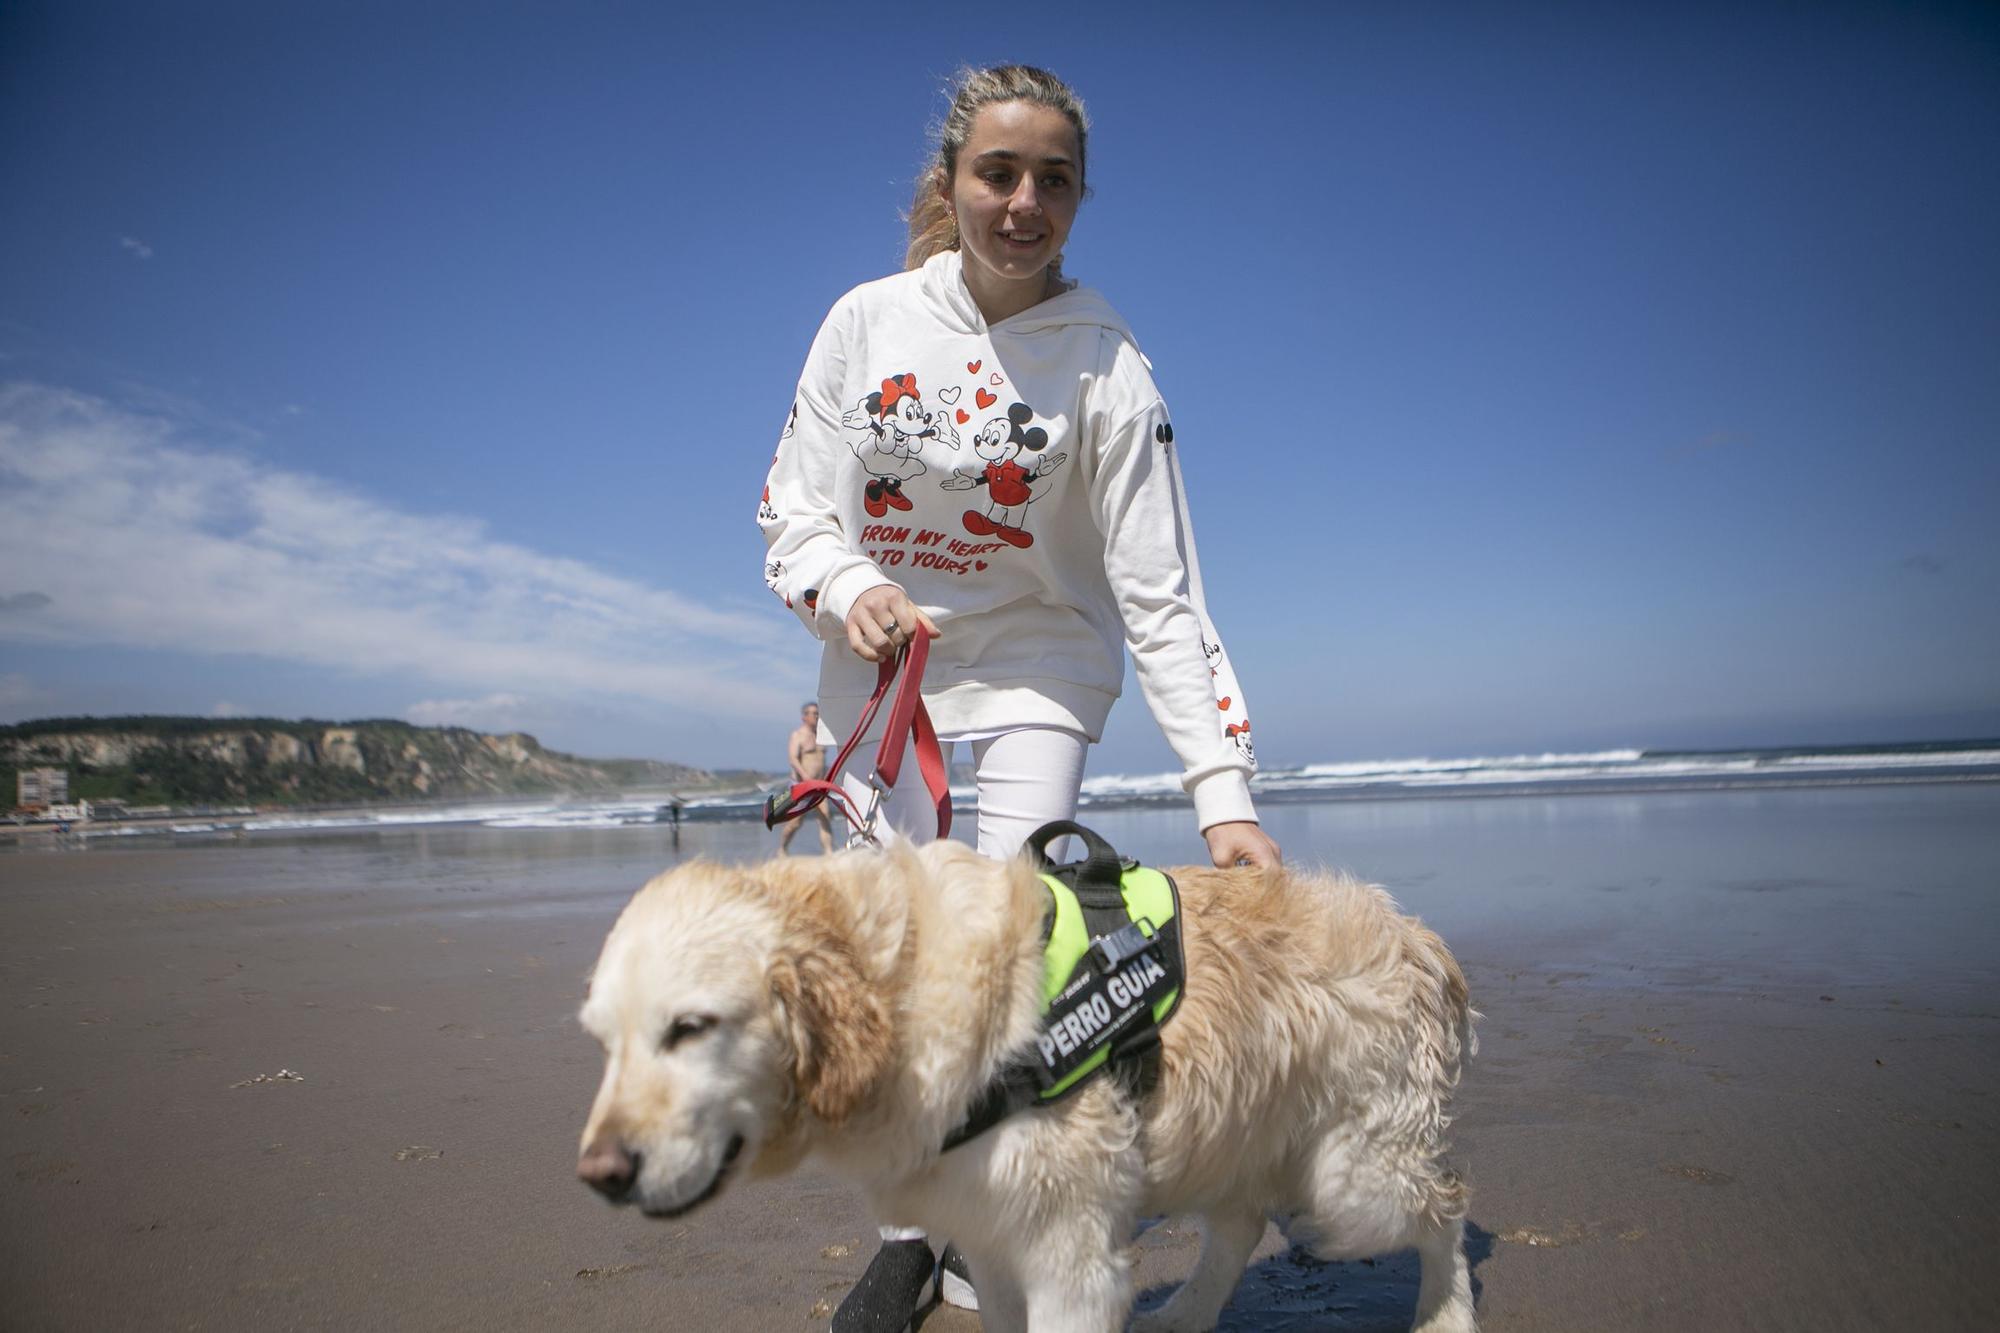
[[1113, 970]]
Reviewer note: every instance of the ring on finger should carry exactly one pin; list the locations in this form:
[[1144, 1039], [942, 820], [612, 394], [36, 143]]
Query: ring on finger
[[891, 627]]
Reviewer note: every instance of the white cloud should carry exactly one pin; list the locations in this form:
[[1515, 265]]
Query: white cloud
[[495, 712], [143, 539], [136, 246]]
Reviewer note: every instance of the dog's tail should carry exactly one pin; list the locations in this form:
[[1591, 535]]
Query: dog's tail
[[1445, 1019], [1444, 1002]]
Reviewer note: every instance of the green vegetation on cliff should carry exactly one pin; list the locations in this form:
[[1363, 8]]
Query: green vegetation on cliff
[[146, 760]]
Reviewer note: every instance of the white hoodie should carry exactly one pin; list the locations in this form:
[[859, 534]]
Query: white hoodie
[[1018, 481]]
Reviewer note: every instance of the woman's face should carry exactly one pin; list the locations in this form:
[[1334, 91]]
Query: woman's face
[[1015, 192]]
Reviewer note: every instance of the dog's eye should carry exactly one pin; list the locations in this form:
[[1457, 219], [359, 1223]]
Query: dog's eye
[[687, 1025]]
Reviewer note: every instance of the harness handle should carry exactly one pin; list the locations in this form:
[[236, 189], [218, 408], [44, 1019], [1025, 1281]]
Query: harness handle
[[1101, 868]]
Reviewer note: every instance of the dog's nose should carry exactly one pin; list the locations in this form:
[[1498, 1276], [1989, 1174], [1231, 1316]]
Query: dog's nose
[[610, 1171]]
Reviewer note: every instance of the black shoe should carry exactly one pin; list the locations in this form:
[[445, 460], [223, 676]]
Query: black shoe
[[955, 1280], [896, 1286]]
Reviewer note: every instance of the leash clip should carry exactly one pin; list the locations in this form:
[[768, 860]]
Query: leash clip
[[864, 828], [1124, 943]]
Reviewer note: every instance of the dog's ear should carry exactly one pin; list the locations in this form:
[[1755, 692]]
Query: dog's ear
[[838, 1026]]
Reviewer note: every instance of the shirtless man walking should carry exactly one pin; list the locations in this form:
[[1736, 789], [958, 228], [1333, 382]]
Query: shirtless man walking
[[808, 761]]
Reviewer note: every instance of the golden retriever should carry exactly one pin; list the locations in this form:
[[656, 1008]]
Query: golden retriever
[[853, 1006]]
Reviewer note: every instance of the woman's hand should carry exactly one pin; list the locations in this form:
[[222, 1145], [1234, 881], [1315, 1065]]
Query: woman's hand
[[881, 620], [1241, 842]]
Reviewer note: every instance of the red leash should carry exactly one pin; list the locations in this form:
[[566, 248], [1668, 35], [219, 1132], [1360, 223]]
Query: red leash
[[907, 716]]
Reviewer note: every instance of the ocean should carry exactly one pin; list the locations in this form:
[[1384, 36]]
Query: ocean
[[1626, 771]]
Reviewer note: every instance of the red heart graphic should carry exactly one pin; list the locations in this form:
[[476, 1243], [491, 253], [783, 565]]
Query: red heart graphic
[[960, 413], [979, 564], [1223, 703], [972, 367], [984, 399]]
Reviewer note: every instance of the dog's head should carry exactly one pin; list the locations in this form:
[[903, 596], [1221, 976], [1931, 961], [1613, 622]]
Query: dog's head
[[734, 1005]]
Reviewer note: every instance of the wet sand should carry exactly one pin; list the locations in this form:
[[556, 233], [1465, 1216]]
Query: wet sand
[[1738, 1071]]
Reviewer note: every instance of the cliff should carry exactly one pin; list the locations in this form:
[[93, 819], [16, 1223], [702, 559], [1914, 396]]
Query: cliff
[[185, 760]]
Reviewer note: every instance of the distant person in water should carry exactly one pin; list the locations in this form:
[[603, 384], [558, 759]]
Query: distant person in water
[[808, 761]]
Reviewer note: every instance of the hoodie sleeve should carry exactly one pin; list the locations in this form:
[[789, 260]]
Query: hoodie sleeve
[[1149, 559], [808, 561]]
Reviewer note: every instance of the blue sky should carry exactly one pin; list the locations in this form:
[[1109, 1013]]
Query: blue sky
[[1549, 376]]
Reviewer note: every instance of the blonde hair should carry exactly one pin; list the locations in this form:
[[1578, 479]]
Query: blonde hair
[[933, 229]]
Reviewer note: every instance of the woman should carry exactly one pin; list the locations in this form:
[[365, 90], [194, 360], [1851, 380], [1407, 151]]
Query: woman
[[977, 448]]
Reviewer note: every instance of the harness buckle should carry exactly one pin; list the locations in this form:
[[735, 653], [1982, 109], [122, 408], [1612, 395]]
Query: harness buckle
[[1127, 942]]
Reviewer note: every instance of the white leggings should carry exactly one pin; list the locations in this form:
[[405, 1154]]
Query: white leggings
[[1026, 778]]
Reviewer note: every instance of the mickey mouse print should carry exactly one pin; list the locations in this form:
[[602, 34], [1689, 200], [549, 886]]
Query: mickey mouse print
[[1001, 443]]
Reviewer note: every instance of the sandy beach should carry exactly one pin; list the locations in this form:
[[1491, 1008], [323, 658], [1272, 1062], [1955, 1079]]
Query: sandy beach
[[1738, 1071]]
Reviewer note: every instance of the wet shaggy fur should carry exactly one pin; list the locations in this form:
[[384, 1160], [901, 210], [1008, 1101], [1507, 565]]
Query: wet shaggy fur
[[852, 1006]]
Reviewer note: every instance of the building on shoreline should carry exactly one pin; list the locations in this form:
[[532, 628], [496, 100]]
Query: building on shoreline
[[40, 788]]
